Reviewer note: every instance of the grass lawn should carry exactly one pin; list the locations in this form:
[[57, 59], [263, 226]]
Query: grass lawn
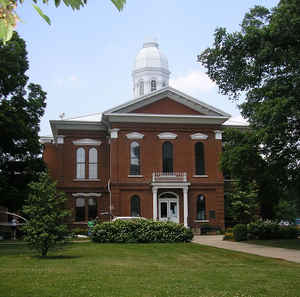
[[144, 270], [282, 243]]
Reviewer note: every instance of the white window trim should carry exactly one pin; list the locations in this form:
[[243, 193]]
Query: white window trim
[[130, 175], [135, 135], [167, 135], [200, 175], [199, 136], [87, 141], [202, 221], [86, 194], [86, 179]]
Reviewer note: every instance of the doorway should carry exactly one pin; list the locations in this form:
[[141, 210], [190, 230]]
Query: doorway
[[168, 207]]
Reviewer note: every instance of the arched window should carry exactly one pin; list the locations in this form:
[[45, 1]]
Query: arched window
[[80, 163], [135, 210], [199, 158], [153, 85], [167, 156], [201, 208], [134, 159], [93, 163], [79, 209], [141, 88]]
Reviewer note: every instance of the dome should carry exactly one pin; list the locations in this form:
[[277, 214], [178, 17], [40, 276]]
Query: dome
[[150, 71], [151, 56]]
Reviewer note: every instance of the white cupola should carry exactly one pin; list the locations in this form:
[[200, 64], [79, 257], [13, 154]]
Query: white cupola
[[151, 70]]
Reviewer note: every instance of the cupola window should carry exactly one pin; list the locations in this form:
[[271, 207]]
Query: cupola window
[[153, 85], [141, 88]]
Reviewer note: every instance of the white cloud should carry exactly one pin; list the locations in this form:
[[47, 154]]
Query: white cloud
[[193, 82]]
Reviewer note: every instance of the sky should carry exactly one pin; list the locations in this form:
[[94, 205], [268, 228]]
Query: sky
[[85, 58]]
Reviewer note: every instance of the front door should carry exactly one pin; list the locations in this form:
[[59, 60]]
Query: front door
[[168, 210]]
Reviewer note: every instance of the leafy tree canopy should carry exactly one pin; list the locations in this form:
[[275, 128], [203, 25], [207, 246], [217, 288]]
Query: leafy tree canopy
[[21, 108], [9, 18], [46, 214], [261, 64]]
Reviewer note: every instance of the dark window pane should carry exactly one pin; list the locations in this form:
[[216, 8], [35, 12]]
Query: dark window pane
[[163, 209], [134, 159], [79, 210], [135, 206], [167, 157], [199, 158], [92, 208], [201, 208], [212, 214]]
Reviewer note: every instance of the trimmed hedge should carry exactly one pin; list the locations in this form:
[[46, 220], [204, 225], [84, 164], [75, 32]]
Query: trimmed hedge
[[270, 230], [144, 231], [240, 232]]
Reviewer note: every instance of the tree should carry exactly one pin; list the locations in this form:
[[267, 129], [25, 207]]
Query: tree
[[242, 204], [21, 109], [44, 209], [261, 63], [9, 18], [243, 160]]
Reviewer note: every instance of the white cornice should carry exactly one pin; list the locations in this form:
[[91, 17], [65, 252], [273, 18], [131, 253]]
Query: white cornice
[[135, 135], [199, 136], [167, 135], [164, 118], [86, 194], [75, 125], [87, 141]]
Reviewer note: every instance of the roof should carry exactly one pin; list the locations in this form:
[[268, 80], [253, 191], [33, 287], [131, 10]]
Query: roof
[[173, 94]]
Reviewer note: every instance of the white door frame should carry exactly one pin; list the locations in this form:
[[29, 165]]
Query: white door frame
[[168, 200]]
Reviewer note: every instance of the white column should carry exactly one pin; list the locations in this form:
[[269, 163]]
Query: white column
[[185, 206], [154, 191]]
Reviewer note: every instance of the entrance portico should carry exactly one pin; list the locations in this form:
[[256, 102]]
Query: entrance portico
[[166, 205]]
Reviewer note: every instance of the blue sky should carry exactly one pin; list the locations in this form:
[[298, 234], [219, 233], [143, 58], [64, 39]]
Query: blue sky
[[85, 58]]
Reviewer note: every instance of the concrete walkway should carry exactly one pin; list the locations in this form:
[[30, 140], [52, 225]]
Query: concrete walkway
[[272, 252]]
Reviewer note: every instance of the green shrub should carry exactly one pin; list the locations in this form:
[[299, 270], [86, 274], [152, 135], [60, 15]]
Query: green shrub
[[240, 232], [134, 231], [270, 230]]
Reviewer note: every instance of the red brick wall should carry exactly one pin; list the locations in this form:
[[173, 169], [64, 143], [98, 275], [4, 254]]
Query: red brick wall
[[60, 159], [166, 106]]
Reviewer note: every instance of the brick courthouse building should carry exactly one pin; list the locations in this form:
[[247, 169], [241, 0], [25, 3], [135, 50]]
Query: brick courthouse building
[[155, 156]]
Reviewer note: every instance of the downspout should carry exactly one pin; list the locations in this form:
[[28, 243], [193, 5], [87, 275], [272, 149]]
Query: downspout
[[108, 183]]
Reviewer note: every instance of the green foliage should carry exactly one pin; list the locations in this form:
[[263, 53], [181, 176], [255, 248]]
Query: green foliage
[[140, 231], [261, 229], [21, 109], [9, 18], [80, 231], [243, 159], [260, 63], [241, 205], [240, 232], [46, 214], [286, 211]]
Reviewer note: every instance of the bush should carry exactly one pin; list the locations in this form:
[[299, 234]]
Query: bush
[[270, 230], [240, 232], [138, 230]]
